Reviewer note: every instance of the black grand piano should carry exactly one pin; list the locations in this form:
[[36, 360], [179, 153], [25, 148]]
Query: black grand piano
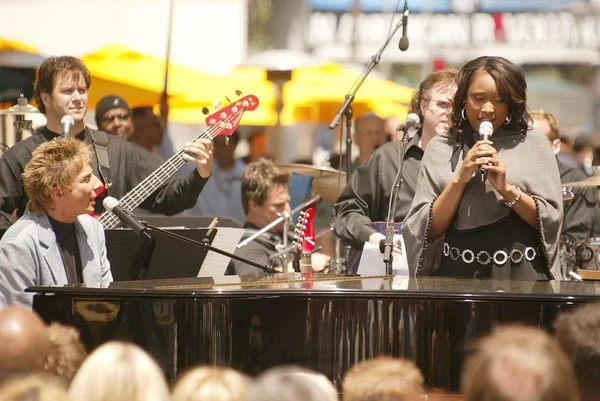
[[324, 322]]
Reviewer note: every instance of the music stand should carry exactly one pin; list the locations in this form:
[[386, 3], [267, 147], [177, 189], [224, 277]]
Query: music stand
[[135, 258]]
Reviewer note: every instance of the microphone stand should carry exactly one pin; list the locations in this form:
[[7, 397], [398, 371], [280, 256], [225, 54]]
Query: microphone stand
[[346, 108], [386, 246], [206, 245]]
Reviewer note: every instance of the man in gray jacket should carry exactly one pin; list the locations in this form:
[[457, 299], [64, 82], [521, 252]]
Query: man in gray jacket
[[57, 242]]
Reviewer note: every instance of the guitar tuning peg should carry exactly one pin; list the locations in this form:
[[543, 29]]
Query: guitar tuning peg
[[238, 92], [226, 141], [216, 104], [205, 111]]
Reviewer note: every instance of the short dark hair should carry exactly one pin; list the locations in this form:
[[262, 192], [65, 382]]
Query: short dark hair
[[510, 83], [259, 178], [53, 68], [578, 332]]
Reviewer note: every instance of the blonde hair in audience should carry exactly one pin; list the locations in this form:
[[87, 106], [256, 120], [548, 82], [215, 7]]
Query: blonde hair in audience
[[383, 379], [66, 353], [33, 387], [53, 164], [119, 371], [518, 363], [211, 383], [550, 119], [291, 383]]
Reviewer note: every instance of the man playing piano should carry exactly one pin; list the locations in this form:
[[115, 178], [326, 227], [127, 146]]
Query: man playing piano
[[58, 242]]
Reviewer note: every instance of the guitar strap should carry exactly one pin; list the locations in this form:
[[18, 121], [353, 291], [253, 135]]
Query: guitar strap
[[266, 238], [100, 142]]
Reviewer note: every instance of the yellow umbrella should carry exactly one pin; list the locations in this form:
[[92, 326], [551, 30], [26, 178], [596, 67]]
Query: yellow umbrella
[[191, 90], [12, 45]]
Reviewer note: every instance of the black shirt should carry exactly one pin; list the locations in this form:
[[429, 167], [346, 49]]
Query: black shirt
[[257, 251], [579, 212], [69, 250], [127, 169], [366, 196]]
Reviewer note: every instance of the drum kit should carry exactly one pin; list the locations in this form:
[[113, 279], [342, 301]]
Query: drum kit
[[327, 184], [19, 122], [581, 258]]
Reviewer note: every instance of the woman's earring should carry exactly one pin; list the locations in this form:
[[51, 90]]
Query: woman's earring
[[508, 119], [463, 113]]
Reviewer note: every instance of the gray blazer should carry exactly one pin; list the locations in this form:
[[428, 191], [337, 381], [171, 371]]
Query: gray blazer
[[30, 256]]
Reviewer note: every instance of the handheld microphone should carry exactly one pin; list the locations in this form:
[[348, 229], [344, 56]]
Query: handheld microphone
[[403, 44], [67, 123], [486, 129], [113, 206], [411, 120]]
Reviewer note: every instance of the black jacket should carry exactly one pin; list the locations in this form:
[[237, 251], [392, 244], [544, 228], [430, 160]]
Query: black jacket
[[127, 169]]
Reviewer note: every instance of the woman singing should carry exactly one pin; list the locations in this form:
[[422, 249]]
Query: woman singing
[[487, 208]]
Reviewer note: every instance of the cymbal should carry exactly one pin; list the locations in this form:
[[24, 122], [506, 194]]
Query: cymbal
[[590, 182], [310, 171], [329, 187]]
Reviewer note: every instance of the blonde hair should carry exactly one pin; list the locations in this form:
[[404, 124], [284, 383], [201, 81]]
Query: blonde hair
[[291, 383], [550, 119], [34, 387], [54, 164], [208, 383], [119, 371], [384, 379], [518, 363], [67, 352]]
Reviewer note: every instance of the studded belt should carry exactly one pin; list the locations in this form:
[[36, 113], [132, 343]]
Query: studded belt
[[484, 257]]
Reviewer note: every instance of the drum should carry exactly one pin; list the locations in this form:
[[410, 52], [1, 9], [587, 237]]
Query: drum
[[588, 254]]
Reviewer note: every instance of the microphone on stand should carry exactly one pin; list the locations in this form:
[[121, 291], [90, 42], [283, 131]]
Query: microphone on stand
[[67, 123], [412, 120], [113, 206], [403, 44], [486, 129]]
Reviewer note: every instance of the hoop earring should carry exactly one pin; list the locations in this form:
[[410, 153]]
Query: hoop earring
[[463, 113], [508, 119]]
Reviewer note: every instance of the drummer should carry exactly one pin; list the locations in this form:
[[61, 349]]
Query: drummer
[[579, 212], [366, 197], [265, 196]]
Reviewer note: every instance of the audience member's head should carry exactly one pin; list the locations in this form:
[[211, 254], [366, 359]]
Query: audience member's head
[[67, 352], [583, 150], [578, 333], [549, 126], [59, 180], [566, 143], [518, 364], [119, 372], [23, 342], [224, 151], [383, 379], [291, 383], [147, 128], [211, 383], [265, 193], [370, 133], [33, 387], [258, 146], [113, 116]]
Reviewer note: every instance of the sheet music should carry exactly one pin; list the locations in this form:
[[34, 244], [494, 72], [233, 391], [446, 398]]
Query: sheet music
[[216, 264], [371, 260]]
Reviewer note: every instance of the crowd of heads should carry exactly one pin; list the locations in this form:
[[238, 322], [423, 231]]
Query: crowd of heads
[[512, 363]]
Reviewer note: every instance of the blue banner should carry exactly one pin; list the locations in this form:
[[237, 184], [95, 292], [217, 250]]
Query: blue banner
[[448, 6]]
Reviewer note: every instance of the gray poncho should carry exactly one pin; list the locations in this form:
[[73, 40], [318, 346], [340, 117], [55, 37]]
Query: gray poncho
[[530, 164]]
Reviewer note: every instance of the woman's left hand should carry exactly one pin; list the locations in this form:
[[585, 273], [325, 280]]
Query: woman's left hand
[[496, 172]]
